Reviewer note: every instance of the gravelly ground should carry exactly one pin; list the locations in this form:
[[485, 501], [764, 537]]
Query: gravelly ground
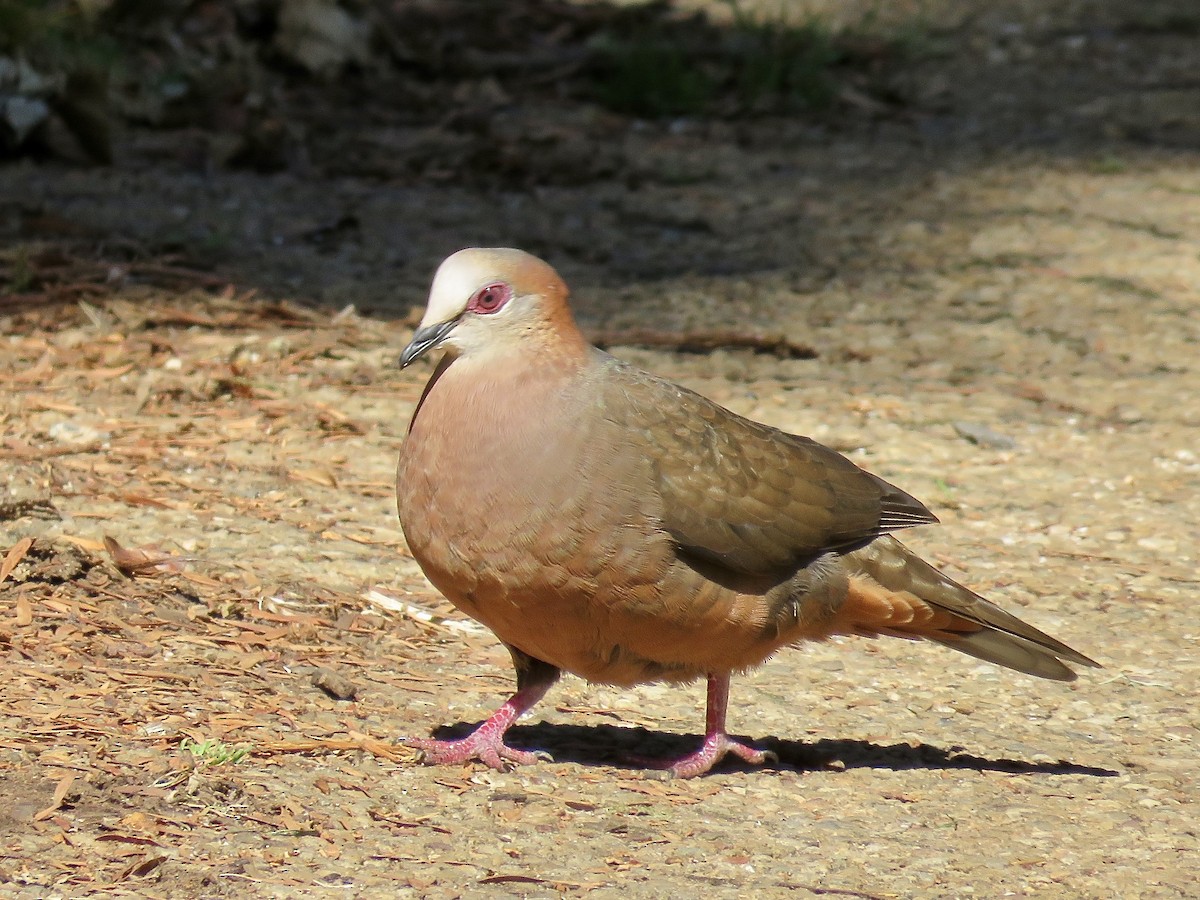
[[949, 280]]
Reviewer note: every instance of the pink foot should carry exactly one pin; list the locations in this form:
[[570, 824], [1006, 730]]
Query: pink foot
[[712, 751], [487, 748], [717, 744], [486, 743]]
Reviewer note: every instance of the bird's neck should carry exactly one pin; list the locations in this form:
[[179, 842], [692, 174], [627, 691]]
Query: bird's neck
[[486, 408], [526, 374], [556, 340], [544, 347]]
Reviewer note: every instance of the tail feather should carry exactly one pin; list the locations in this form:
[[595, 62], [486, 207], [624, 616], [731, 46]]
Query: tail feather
[[1009, 650], [894, 592]]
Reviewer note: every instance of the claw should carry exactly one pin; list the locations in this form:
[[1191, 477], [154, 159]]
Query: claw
[[714, 749], [483, 746]]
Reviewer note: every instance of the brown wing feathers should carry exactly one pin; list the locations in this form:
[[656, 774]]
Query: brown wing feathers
[[745, 495], [758, 501]]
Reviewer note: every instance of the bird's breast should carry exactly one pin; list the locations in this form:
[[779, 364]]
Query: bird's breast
[[500, 506], [543, 520]]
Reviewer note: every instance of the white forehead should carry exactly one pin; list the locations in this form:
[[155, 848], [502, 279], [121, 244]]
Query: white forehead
[[462, 274]]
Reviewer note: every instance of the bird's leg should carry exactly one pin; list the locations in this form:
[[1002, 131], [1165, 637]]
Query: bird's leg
[[486, 743], [716, 742]]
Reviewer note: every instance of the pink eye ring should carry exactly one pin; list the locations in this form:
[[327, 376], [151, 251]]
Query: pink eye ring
[[490, 298]]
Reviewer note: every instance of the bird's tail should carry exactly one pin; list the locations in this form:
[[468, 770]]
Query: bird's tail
[[894, 592]]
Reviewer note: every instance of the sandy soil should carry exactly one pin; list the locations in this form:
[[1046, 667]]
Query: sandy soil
[[999, 286]]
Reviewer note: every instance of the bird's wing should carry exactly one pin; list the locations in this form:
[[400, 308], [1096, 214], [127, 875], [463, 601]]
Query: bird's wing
[[743, 495]]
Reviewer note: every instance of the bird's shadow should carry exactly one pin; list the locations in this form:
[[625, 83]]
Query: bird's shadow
[[611, 745]]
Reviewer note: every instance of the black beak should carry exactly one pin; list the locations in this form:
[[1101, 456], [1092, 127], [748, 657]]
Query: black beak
[[424, 340]]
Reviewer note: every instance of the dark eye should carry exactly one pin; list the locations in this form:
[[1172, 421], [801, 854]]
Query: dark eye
[[491, 298]]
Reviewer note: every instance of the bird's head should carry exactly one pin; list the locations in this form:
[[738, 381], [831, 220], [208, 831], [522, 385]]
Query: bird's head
[[493, 300]]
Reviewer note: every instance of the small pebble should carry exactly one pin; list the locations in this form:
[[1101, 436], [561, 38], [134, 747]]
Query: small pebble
[[984, 436], [339, 687]]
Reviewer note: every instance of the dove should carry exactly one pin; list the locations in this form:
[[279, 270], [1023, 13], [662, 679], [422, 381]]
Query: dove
[[608, 523]]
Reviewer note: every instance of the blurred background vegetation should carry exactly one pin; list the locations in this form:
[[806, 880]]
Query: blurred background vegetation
[[251, 72]]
